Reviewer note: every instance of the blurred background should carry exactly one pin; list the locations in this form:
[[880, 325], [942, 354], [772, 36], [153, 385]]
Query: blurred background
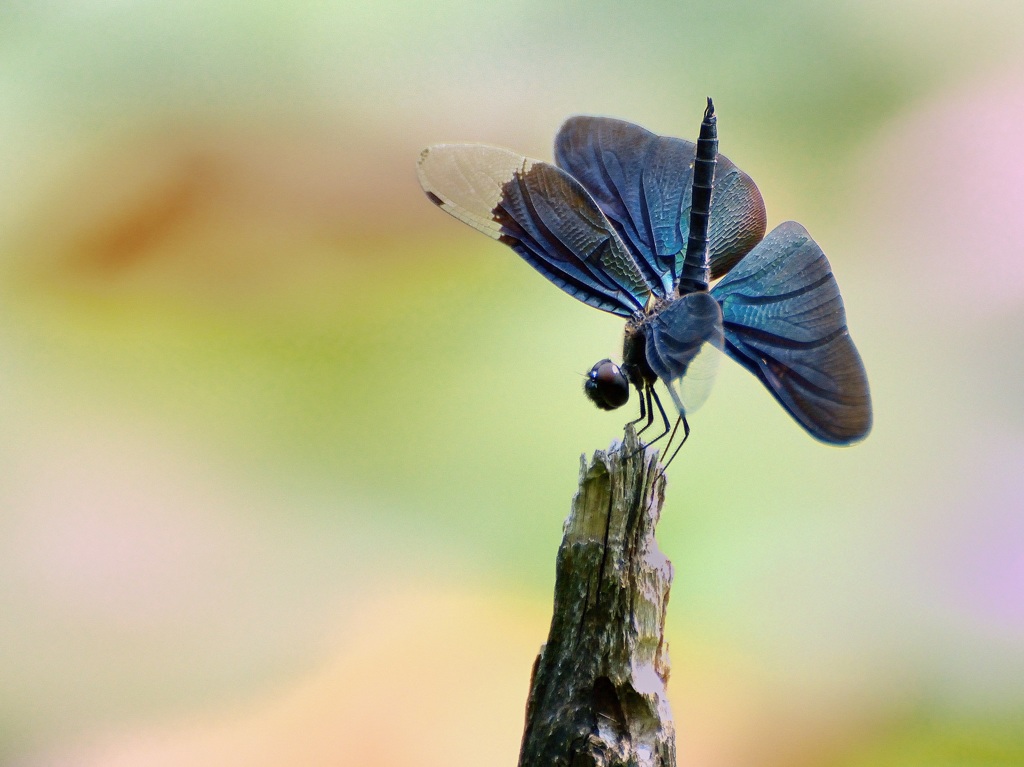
[[285, 452]]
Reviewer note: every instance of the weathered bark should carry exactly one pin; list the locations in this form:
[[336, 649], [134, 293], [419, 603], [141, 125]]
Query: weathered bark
[[597, 695]]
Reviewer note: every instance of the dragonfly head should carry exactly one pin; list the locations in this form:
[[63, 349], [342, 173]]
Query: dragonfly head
[[607, 386]]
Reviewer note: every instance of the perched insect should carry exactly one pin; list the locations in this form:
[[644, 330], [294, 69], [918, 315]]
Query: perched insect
[[639, 225]]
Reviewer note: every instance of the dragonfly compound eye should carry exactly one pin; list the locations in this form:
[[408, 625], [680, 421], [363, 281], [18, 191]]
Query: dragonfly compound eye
[[606, 385]]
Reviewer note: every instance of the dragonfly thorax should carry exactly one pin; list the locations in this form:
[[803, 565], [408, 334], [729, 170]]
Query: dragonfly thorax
[[634, 351], [662, 342]]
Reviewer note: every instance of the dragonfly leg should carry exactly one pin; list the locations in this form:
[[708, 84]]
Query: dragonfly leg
[[651, 396], [686, 433], [648, 392], [672, 436], [664, 418], [645, 412]]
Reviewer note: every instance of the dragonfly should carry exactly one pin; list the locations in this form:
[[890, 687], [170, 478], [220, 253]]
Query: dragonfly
[[641, 225]]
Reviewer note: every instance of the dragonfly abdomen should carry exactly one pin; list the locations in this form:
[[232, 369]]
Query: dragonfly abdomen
[[696, 269]]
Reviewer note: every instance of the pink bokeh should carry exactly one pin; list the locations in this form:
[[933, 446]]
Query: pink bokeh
[[943, 194], [981, 551]]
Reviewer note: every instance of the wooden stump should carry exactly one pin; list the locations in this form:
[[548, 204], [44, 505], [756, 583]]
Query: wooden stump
[[597, 694]]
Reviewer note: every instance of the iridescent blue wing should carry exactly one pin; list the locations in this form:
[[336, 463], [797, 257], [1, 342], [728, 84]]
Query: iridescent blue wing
[[543, 214], [643, 182], [784, 322]]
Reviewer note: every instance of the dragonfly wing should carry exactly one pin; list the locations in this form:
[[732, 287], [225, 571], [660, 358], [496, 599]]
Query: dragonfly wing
[[683, 347], [784, 321], [691, 391], [543, 214], [643, 183]]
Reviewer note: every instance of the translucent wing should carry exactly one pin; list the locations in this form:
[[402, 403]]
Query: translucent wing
[[540, 212], [684, 343], [643, 181], [691, 391], [785, 322]]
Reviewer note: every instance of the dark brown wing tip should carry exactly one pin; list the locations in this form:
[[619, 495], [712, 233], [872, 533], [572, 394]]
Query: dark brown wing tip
[[851, 435]]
